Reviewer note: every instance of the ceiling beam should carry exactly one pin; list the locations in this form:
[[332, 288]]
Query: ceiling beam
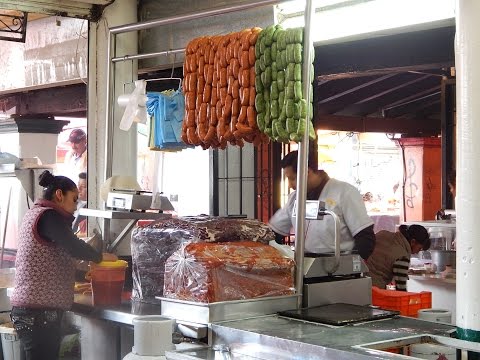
[[356, 88], [373, 105], [424, 127], [433, 48], [66, 101], [336, 104], [411, 107], [413, 96]]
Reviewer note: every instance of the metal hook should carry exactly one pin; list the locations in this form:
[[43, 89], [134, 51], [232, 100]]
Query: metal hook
[[173, 64]]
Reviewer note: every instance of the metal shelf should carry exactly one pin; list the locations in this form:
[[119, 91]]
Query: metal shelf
[[108, 215], [118, 214]]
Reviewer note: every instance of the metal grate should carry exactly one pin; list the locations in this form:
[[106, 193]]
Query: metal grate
[[13, 25]]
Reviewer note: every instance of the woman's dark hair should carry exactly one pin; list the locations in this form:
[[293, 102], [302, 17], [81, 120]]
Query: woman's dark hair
[[52, 183], [417, 232]]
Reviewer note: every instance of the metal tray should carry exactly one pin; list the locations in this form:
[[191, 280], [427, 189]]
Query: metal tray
[[204, 313], [339, 314]]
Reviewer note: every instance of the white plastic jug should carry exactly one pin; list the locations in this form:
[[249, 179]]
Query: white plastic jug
[[152, 335]]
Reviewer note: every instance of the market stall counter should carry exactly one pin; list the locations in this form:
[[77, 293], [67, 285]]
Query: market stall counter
[[122, 314], [278, 337], [107, 331]]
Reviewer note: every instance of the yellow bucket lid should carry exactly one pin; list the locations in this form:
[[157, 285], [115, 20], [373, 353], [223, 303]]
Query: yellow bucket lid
[[112, 264]]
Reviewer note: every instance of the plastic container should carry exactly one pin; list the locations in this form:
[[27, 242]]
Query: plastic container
[[107, 280], [433, 351], [436, 315], [152, 335], [10, 342], [408, 303]]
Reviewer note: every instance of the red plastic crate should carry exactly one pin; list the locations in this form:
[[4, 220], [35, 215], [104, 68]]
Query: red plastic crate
[[408, 303]]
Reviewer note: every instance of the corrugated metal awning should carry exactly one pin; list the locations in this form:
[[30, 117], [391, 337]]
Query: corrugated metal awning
[[84, 9]]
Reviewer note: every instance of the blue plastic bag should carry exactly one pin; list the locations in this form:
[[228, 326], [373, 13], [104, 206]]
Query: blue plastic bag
[[167, 110]]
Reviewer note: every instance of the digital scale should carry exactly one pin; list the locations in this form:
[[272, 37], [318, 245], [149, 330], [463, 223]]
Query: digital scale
[[333, 277], [129, 199]]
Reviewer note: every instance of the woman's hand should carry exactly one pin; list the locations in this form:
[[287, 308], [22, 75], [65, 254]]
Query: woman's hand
[[109, 257]]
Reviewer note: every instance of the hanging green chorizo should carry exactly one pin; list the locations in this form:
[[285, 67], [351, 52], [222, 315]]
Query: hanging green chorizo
[[274, 90], [281, 80], [274, 50], [290, 72], [298, 72], [298, 35], [298, 90], [268, 56], [274, 70], [261, 120], [274, 109], [281, 98], [289, 107], [259, 103], [291, 125], [290, 90], [297, 53], [258, 84]]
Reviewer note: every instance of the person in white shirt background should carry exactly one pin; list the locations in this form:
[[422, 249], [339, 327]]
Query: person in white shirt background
[[79, 225], [76, 158]]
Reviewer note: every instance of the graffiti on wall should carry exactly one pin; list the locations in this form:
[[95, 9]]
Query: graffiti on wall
[[410, 185]]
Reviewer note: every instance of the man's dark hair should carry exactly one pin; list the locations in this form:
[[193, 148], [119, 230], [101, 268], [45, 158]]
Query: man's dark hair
[[417, 232], [82, 175], [291, 159]]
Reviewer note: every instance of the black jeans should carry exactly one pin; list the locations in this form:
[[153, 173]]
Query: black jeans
[[39, 331]]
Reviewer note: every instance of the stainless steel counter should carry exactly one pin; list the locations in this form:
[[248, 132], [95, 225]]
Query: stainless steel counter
[[449, 279], [122, 314], [275, 337]]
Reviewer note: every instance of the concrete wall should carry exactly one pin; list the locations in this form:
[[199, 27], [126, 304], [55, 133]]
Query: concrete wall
[[55, 52], [177, 36]]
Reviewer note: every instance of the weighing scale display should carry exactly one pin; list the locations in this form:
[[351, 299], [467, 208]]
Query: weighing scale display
[[311, 209]]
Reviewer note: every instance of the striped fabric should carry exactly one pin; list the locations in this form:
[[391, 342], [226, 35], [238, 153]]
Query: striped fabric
[[400, 273]]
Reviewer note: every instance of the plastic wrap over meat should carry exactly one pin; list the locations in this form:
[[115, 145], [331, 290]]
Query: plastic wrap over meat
[[212, 272], [153, 244]]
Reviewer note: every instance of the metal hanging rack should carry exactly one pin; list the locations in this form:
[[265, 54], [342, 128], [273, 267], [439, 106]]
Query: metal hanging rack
[[303, 146], [170, 78]]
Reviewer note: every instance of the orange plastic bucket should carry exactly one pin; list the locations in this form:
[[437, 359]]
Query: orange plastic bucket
[[107, 280]]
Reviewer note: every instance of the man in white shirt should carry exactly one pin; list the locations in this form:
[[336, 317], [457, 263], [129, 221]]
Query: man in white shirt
[[356, 227], [76, 158]]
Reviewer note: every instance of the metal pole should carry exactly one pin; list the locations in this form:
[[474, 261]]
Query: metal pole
[[188, 17], [5, 227], [147, 55], [302, 167], [110, 104]]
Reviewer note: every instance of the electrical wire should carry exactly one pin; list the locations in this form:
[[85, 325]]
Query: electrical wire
[[76, 52]]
